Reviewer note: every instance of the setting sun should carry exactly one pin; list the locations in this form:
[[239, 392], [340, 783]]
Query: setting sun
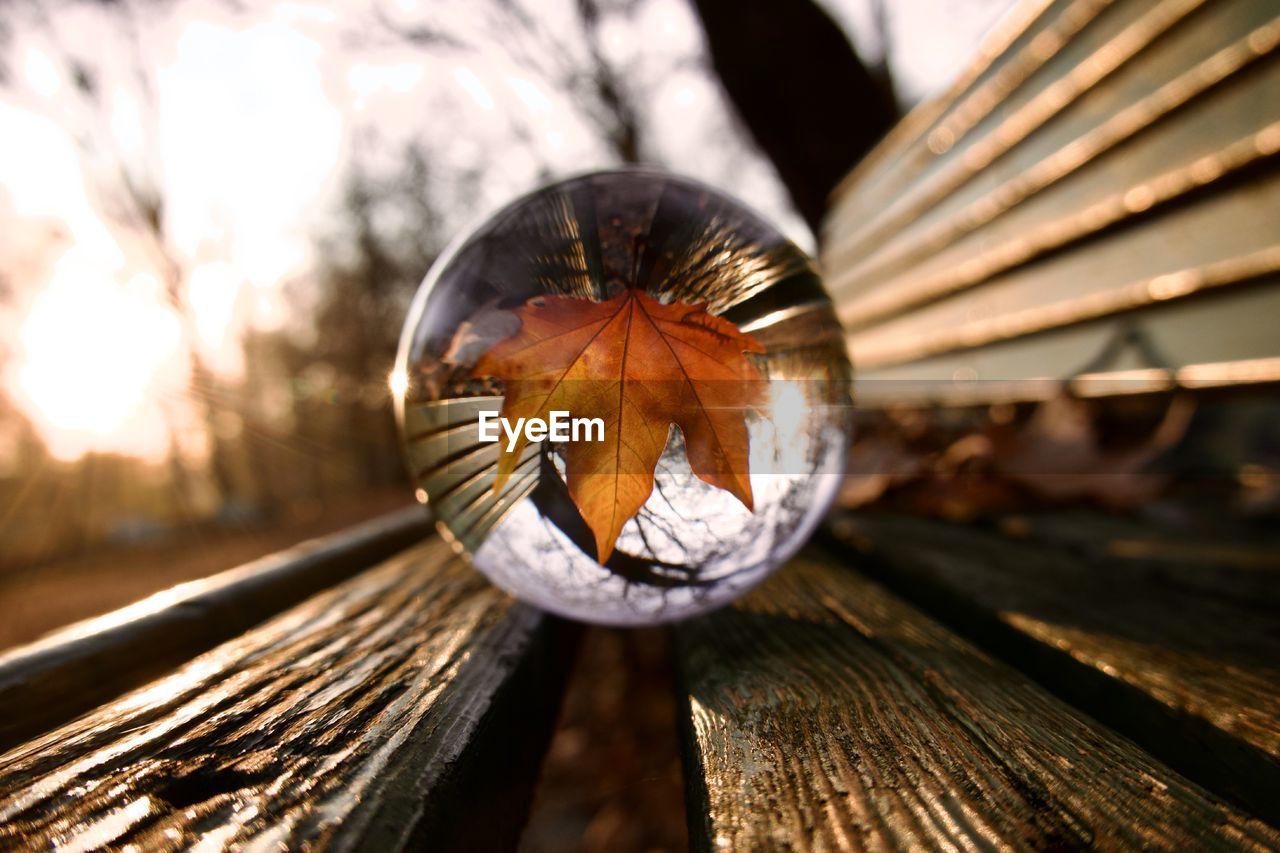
[[95, 360]]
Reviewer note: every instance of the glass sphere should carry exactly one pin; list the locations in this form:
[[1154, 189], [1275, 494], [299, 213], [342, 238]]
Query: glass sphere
[[693, 331]]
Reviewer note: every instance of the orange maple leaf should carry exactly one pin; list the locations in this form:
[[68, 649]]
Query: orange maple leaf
[[640, 366]]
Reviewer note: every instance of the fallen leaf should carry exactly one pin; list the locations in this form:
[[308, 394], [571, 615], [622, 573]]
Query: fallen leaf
[[878, 464], [640, 366], [1058, 454]]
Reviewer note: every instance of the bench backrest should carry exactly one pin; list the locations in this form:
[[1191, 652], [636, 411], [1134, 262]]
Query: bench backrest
[[1095, 201]]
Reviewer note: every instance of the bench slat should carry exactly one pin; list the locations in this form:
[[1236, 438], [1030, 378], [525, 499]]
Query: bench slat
[[1036, 367], [823, 712], [1181, 655], [52, 680], [368, 716]]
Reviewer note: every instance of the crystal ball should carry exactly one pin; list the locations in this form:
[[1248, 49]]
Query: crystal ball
[[625, 396]]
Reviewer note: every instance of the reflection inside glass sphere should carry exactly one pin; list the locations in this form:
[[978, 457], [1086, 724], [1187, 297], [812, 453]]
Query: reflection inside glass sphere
[[701, 340]]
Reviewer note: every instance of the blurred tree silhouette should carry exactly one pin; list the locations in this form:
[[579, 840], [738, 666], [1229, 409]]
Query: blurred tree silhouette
[[129, 193], [812, 105], [367, 278]]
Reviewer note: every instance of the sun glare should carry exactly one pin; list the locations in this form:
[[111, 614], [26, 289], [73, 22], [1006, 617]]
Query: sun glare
[[99, 359], [398, 382], [95, 358], [214, 291]]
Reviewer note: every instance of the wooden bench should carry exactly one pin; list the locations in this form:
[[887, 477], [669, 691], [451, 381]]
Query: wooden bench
[[1103, 178], [408, 702], [825, 712], [411, 702]]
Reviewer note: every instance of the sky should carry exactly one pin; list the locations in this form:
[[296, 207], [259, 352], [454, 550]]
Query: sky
[[245, 121]]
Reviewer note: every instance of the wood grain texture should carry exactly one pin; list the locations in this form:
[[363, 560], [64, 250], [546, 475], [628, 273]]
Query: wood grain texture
[[52, 680], [825, 713], [371, 716], [1181, 654]]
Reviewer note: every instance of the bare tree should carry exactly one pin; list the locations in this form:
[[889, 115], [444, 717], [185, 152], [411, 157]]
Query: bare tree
[[574, 63], [130, 196], [368, 274], [616, 111]]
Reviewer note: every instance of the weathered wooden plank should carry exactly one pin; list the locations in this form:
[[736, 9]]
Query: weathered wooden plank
[[1179, 654], [391, 710], [46, 683], [825, 713]]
